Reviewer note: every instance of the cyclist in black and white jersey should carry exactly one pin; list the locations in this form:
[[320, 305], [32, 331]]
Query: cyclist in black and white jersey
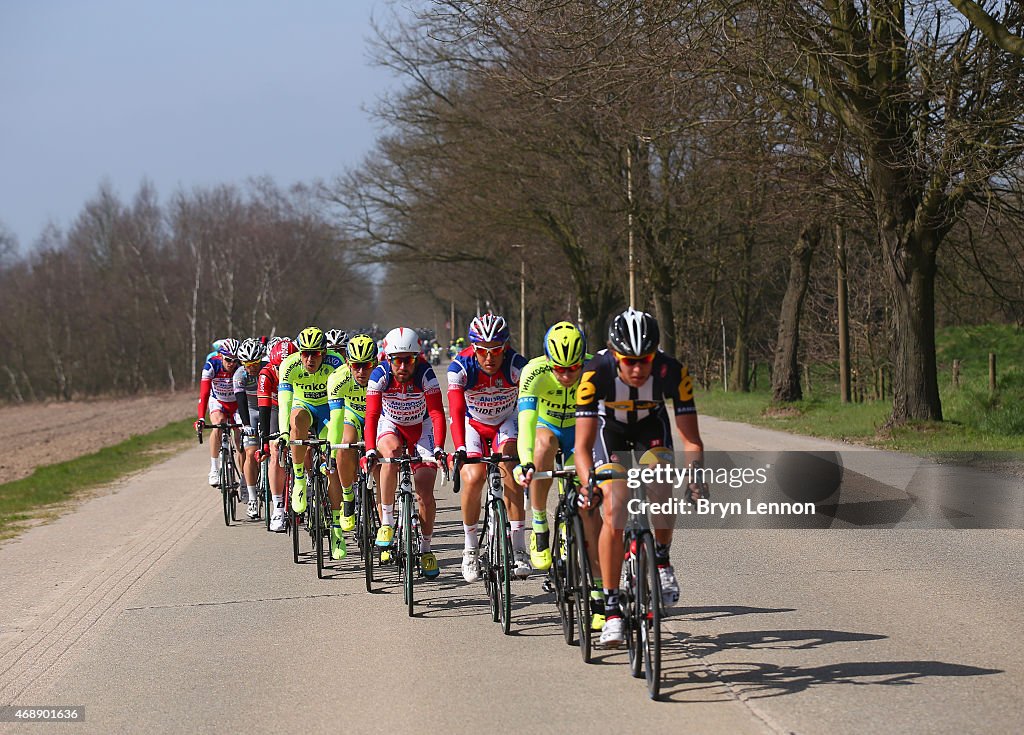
[[620, 410]]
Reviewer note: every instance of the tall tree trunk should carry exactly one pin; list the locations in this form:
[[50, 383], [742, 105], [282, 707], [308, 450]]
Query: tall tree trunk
[[786, 372], [909, 262], [842, 313]]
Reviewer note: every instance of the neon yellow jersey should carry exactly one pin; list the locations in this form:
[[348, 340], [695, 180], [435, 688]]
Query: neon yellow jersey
[[347, 400], [541, 396], [299, 385]]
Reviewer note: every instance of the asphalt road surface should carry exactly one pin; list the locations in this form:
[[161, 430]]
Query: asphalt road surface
[[143, 607]]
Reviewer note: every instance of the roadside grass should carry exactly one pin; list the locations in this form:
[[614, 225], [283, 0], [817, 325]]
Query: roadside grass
[[41, 494], [975, 420]]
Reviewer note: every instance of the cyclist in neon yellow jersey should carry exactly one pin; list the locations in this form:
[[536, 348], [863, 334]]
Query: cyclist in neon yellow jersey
[[346, 395], [547, 422], [302, 402]]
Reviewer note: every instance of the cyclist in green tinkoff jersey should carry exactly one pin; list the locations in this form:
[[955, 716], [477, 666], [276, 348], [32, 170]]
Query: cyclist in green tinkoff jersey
[[547, 423], [346, 397], [302, 403]]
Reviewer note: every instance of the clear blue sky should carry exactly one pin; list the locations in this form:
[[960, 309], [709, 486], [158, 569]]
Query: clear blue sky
[[182, 92]]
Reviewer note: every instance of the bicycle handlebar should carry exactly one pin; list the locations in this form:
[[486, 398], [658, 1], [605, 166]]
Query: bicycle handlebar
[[493, 460], [349, 445]]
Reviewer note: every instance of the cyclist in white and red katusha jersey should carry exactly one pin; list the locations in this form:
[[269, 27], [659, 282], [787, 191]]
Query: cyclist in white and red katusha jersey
[[217, 395]]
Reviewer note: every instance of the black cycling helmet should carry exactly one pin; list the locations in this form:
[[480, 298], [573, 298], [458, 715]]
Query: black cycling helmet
[[634, 333]]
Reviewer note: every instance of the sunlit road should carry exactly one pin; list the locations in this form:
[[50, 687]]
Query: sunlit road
[[142, 606]]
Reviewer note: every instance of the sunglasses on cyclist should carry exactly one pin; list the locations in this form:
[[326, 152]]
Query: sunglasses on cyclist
[[566, 370], [251, 363], [361, 365], [310, 353], [403, 360], [494, 351], [227, 358], [634, 361]]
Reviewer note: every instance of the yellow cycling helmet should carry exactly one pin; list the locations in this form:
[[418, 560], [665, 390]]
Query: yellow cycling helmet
[[564, 344], [312, 338], [362, 348]]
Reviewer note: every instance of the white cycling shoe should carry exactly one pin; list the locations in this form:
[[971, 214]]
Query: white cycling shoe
[[214, 478], [612, 633], [669, 585], [521, 564], [277, 520], [470, 566], [253, 511]]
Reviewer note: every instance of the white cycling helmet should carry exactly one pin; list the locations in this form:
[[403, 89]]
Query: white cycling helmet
[[251, 350], [488, 328], [401, 339]]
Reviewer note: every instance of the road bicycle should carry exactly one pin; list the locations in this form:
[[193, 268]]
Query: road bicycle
[[406, 541], [367, 516], [496, 558], [228, 480], [318, 502]]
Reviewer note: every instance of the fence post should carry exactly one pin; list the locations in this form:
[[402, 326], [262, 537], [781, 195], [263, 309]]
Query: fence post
[[991, 372]]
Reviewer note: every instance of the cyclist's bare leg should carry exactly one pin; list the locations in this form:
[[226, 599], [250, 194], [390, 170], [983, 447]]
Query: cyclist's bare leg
[[544, 449], [389, 445], [423, 480], [276, 471], [610, 540], [473, 476], [347, 457], [251, 468], [514, 500], [592, 526], [300, 423], [216, 417]]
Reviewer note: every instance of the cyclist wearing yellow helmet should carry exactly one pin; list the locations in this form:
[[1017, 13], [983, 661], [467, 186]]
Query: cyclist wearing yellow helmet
[[346, 397], [302, 403]]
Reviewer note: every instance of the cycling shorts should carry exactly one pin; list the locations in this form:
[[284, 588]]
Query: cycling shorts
[[418, 438], [254, 422], [228, 407], [566, 436], [352, 418], [486, 438], [321, 415], [618, 443]]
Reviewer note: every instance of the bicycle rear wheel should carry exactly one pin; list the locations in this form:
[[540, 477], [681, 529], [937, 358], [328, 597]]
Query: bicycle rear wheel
[[581, 588], [265, 491], [631, 619], [367, 533], [649, 608], [293, 529], [407, 545], [559, 573]]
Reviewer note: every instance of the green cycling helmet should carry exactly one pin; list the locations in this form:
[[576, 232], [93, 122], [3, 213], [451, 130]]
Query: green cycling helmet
[[564, 344]]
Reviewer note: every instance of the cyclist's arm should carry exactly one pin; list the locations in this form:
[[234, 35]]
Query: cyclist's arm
[[693, 445], [435, 408], [586, 435], [373, 409], [265, 403], [336, 401], [242, 399], [204, 396], [457, 407], [284, 407], [527, 427]]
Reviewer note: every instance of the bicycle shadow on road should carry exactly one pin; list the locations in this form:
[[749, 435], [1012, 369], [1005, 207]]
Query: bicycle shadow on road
[[686, 670], [715, 612]]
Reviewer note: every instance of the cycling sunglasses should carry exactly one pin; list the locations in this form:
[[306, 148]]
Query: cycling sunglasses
[[228, 358], [481, 350], [252, 363], [361, 365], [407, 360], [567, 370], [310, 353], [634, 361]]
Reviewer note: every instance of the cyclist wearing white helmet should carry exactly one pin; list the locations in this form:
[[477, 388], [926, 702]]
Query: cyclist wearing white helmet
[[217, 395], [251, 353], [483, 386], [405, 412]]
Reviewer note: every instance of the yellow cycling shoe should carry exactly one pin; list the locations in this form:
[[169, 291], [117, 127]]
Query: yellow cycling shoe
[[348, 514], [385, 536], [385, 557], [428, 562], [348, 523], [540, 559], [338, 548], [597, 621], [299, 495]]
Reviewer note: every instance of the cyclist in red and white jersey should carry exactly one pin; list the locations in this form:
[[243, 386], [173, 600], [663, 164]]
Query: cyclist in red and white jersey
[[404, 412], [483, 389], [266, 396], [217, 395]]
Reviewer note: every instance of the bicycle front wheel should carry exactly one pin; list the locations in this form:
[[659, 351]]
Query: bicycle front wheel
[[562, 583], [501, 559], [628, 597], [225, 489], [320, 525], [581, 588], [367, 533], [649, 611], [407, 545]]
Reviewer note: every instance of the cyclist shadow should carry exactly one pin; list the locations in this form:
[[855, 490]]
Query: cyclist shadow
[[687, 677], [715, 612]]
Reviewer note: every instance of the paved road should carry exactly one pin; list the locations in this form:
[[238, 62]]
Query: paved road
[[144, 607]]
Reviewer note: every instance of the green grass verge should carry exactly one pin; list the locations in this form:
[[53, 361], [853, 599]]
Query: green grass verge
[[40, 493], [976, 420]]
